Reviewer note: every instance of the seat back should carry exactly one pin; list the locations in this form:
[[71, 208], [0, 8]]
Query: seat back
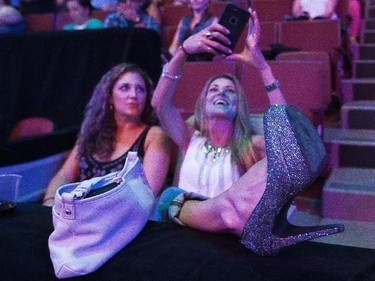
[[319, 35], [40, 22], [301, 83], [62, 19], [272, 10], [323, 57], [30, 127], [196, 74]]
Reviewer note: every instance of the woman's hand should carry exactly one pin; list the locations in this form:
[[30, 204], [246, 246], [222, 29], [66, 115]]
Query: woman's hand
[[251, 53], [210, 40]]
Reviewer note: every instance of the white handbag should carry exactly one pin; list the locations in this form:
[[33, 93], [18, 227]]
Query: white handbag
[[96, 218]]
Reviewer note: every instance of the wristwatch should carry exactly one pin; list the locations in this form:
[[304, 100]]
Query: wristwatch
[[275, 85]]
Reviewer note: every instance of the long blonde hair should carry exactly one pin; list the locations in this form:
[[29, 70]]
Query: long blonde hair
[[243, 153]]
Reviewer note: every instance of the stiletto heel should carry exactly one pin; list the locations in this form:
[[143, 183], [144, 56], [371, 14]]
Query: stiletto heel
[[295, 157]]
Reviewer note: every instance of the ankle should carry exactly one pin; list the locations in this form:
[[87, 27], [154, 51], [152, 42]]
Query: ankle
[[234, 216]]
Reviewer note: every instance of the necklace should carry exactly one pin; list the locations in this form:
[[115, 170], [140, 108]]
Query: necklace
[[216, 151]]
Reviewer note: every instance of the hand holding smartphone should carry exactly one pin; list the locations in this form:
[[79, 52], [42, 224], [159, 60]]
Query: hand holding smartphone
[[234, 19]]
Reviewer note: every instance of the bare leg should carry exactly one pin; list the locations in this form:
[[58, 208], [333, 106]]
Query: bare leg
[[229, 211]]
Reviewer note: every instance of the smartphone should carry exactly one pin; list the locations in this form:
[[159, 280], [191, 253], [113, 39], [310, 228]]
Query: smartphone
[[234, 19]]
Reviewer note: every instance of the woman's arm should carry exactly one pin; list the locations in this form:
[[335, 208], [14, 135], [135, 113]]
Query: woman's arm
[[296, 10], [68, 173], [253, 56], [330, 8], [169, 115], [174, 45], [156, 159]]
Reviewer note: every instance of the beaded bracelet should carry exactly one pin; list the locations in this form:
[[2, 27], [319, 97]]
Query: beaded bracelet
[[275, 85], [165, 73]]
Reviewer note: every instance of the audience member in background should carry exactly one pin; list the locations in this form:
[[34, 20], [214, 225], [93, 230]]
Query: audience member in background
[[314, 9], [354, 11], [11, 20], [151, 7], [199, 19], [80, 12], [131, 14], [119, 118], [104, 5], [60, 6], [180, 2]]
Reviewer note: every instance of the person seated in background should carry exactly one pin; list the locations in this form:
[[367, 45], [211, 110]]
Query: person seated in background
[[104, 5], [232, 181], [60, 6], [80, 12], [180, 2], [118, 119], [314, 9], [131, 14], [11, 20], [199, 19], [151, 7]]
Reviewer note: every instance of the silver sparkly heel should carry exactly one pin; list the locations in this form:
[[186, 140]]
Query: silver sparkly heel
[[295, 157]]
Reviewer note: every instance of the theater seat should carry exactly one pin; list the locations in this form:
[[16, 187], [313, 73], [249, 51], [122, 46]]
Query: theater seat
[[40, 22], [323, 57], [30, 127]]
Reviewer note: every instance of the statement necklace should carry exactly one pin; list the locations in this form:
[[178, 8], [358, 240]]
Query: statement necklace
[[216, 151]]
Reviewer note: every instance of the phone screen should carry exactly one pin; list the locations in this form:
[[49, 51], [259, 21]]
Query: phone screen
[[234, 19]]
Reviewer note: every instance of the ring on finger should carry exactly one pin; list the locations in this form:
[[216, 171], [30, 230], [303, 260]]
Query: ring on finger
[[209, 49], [209, 35]]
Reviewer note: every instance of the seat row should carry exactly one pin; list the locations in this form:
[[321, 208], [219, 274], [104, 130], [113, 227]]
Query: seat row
[[301, 82]]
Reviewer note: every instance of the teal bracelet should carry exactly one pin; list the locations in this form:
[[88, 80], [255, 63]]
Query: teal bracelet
[[275, 85]]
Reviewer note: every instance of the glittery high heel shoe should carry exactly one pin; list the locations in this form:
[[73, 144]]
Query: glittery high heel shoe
[[295, 157]]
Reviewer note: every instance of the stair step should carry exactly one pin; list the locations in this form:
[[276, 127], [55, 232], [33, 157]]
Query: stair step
[[349, 137], [357, 89], [364, 68], [358, 115], [349, 194], [369, 36], [371, 12], [350, 148], [367, 51], [370, 24]]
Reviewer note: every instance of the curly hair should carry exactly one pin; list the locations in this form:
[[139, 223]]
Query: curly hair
[[241, 140], [97, 134]]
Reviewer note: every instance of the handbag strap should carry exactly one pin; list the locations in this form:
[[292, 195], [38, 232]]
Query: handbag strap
[[81, 190], [86, 186]]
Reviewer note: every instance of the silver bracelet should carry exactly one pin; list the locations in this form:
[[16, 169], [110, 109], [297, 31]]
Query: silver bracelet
[[165, 73], [275, 85]]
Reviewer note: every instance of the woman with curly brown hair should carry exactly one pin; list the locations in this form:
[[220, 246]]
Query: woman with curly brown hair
[[118, 119]]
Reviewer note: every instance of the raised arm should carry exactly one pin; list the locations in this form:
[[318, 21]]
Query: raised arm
[[174, 45], [253, 56], [169, 116]]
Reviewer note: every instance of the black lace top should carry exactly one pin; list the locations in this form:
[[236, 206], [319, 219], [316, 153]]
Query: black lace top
[[89, 167]]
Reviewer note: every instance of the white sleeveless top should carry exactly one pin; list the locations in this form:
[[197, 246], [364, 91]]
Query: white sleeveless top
[[207, 173]]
